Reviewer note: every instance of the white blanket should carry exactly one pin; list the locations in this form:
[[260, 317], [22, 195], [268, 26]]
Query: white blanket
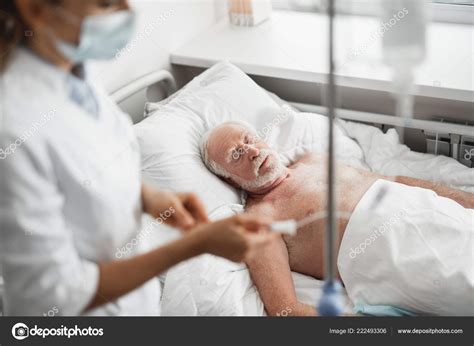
[[210, 286], [412, 250]]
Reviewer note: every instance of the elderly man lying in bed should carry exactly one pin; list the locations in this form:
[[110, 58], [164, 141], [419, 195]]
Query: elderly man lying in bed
[[421, 257]]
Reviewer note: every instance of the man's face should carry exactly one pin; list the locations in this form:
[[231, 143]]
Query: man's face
[[246, 158]]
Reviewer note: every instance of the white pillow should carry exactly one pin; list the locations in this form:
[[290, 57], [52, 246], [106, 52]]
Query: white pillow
[[169, 137]]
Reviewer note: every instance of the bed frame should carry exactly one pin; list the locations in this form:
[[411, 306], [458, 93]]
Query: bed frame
[[153, 86], [153, 79], [442, 138]]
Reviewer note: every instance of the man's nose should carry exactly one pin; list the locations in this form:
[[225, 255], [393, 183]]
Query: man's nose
[[253, 152]]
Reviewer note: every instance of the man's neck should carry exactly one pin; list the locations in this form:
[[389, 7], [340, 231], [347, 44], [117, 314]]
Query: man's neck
[[271, 186]]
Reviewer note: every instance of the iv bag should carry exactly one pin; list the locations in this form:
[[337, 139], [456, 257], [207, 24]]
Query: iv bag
[[404, 39]]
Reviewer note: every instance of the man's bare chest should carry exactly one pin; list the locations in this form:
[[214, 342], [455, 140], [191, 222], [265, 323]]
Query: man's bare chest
[[303, 193]]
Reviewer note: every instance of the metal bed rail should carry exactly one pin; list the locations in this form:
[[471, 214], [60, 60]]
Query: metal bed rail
[[144, 82], [424, 125]]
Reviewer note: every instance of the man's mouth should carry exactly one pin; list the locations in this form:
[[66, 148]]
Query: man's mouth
[[264, 163]]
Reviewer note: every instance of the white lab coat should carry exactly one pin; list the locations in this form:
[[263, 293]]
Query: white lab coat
[[69, 194]]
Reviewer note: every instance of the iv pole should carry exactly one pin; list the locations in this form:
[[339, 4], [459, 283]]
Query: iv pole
[[331, 303]]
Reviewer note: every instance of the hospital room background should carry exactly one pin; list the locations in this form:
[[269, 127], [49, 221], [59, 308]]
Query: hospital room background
[[195, 63]]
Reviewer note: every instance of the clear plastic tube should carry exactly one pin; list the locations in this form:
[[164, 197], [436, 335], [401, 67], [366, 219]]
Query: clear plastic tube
[[405, 105]]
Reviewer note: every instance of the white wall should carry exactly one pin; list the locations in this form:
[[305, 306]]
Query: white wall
[[163, 26]]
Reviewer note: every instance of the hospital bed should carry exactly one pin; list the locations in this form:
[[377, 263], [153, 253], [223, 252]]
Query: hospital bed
[[169, 123], [169, 133]]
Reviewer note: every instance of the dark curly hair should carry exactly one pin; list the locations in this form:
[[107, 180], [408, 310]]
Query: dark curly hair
[[12, 28]]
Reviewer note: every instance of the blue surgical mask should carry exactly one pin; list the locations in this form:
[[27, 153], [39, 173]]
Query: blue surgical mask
[[101, 37]]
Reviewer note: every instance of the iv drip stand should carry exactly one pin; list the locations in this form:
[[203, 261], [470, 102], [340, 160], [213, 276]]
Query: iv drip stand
[[331, 303]]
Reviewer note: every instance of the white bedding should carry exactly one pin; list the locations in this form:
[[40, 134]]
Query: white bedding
[[210, 286], [384, 154], [412, 250]]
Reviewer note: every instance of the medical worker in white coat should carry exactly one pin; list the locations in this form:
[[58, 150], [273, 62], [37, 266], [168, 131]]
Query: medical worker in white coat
[[70, 188]]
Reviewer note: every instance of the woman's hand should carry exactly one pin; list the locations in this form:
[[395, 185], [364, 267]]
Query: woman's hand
[[236, 238], [181, 210]]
